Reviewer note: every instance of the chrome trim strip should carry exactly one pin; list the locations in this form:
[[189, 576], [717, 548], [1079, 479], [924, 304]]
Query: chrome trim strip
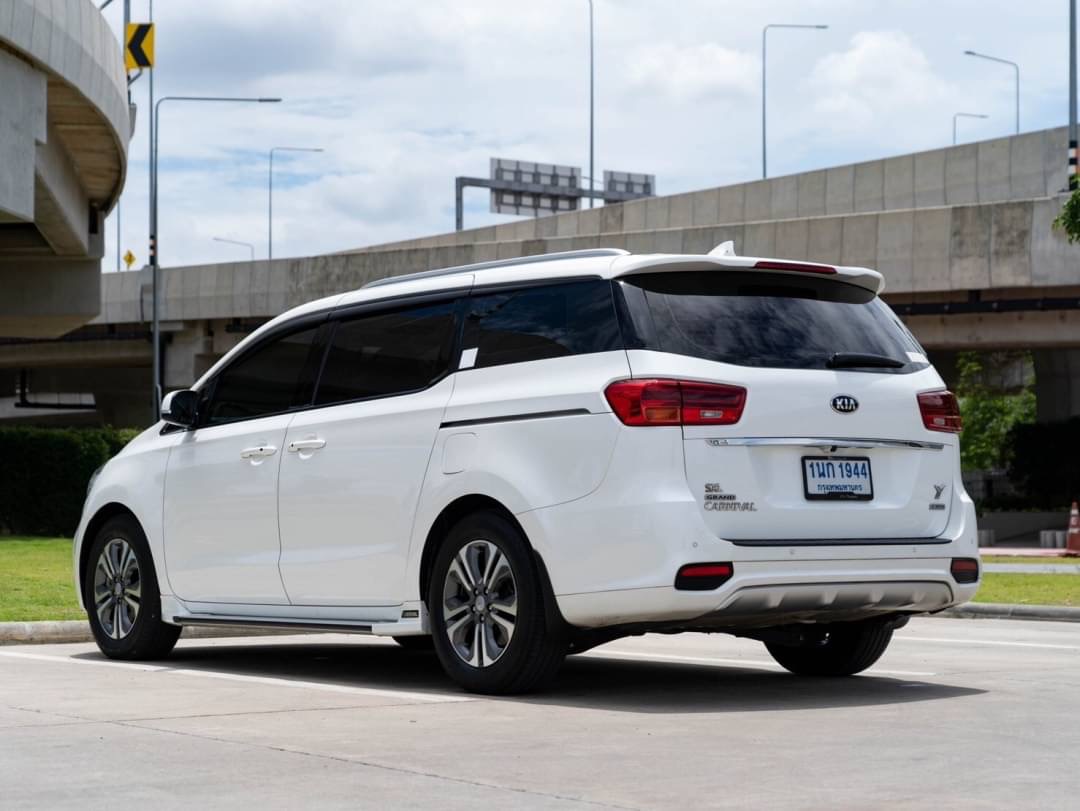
[[824, 443], [839, 542]]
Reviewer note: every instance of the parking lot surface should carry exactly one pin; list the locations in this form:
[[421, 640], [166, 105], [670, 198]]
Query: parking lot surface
[[969, 713]]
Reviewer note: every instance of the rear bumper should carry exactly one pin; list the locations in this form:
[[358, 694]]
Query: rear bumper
[[763, 594], [612, 559]]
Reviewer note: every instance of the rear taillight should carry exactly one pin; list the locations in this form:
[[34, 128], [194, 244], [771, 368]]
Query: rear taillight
[[965, 570], [703, 576], [940, 411], [675, 402]]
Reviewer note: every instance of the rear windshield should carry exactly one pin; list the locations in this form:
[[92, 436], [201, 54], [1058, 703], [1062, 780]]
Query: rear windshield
[[758, 319]]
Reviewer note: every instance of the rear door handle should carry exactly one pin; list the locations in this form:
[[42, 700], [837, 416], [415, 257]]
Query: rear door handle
[[306, 445], [258, 452]]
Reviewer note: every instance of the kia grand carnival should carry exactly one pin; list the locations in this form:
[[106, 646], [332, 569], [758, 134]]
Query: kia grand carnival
[[513, 461]]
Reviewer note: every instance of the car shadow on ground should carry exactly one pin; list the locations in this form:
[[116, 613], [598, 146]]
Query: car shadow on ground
[[619, 684]]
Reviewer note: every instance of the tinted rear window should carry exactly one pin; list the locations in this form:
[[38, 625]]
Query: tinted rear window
[[552, 321], [757, 319], [384, 354]]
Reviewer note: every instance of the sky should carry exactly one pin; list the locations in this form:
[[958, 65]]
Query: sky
[[404, 95]]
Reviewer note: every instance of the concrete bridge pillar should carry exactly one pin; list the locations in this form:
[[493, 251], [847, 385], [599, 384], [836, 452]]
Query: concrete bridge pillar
[[1057, 384]]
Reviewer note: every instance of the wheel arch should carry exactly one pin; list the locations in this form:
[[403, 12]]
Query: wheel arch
[[467, 505], [104, 514]]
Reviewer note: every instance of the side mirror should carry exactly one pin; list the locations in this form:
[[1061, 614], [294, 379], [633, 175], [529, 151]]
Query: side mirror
[[178, 408]]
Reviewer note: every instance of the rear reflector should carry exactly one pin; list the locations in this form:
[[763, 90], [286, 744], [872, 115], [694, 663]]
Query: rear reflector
[[799, 267], [965, 570], [703, 576], [675, 402], [940, 411]]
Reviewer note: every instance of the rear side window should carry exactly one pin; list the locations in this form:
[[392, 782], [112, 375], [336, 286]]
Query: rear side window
[[266, 380], [536, 323], [757, 319], [383, 354]]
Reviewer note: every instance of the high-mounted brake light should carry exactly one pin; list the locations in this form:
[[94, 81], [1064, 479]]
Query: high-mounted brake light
[[800, 267], [703, 576], [675, 402], [940, 411]]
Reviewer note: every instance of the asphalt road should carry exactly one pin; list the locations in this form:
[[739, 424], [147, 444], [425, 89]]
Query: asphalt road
[[958, 713]]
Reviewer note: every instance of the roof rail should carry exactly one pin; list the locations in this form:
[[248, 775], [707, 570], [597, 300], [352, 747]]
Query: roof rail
[[499, 263]]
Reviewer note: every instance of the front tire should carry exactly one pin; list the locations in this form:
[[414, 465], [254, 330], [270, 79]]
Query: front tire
[[487, 607], [120, 591], [845, 649]]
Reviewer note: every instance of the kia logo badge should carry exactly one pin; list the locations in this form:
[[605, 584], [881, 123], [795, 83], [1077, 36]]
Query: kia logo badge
[[844, 404]]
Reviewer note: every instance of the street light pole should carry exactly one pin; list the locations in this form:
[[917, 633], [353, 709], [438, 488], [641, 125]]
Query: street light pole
[[1015, 68], [247, 245], [270, 194], [592, 105], [963, 115], [764, 40], [1072, 96], [154, 266]]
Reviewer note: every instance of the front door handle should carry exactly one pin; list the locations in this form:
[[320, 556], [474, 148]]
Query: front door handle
[[313, 444], [258, 452]]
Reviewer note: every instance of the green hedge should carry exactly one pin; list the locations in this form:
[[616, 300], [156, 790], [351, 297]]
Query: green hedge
[[44, 475], [1044, 463]]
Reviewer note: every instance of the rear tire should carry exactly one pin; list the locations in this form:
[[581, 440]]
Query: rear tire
[[486, 603], [120, 591], [847, 648]]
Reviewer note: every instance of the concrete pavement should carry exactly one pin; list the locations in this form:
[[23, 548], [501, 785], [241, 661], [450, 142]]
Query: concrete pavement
[[957, 712]]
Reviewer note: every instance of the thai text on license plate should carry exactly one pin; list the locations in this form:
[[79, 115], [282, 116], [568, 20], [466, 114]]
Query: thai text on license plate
[[838, 477]]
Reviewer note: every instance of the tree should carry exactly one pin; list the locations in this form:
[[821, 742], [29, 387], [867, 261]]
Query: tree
[[988, 415], [1069, 218]]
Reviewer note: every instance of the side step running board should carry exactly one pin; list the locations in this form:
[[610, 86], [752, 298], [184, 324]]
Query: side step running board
[[219, 622]]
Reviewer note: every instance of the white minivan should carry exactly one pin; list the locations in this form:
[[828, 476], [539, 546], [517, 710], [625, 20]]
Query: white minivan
[[517, 460]]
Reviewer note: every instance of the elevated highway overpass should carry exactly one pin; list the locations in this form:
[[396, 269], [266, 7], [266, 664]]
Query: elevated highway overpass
[[64, 132], [963, 236]]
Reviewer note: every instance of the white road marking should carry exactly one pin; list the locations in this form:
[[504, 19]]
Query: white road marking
[[407, 695], [714, 660], [1045, 645]]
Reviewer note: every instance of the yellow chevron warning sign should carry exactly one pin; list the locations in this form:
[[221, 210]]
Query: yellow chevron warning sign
[[139, 46]]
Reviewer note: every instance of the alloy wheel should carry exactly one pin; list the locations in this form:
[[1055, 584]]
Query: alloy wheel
[[117, 588], [479, 603]]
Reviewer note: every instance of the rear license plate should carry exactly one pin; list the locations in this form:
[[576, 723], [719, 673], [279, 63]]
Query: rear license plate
[[842, 478]]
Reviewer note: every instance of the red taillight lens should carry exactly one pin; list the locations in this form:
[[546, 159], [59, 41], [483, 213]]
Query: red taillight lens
[[940, 411], [675, 402], [703, 576], [965, 570]]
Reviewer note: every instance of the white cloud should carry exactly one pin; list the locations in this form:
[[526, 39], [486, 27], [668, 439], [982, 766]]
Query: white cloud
[[687, 74]]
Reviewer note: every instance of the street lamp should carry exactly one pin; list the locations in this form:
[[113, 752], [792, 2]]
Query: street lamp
[[247, 245], [155, 122], [270, 195], [963, 115], [764, 32], [1015, 68], [592, 118]]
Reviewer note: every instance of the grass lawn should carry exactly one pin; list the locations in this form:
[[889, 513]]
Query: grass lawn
[[36, 581], [1039, 560], [1030, 589]]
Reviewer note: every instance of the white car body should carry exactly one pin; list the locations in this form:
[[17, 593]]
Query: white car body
[[320, 517]]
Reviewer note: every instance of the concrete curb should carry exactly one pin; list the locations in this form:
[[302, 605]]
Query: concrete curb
[[51, 633], [44, 633], [1007, 611]]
